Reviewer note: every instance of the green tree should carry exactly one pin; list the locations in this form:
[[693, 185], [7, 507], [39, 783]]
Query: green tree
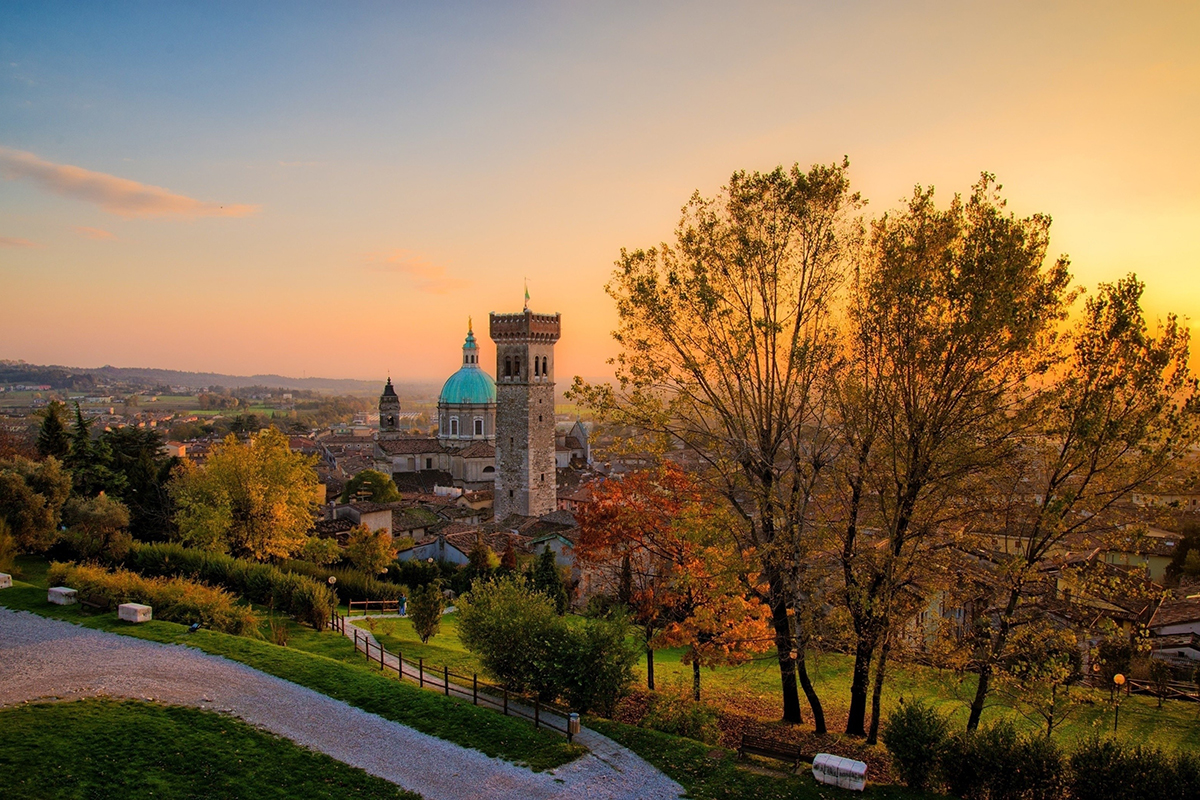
[[724, 337], [89, 461], [141, 473], [32, 494], [52, 439], [375, 487], [253, 499], [370, 551], [321, 551], [548, 580], [97, 527], [425, 610], [506, 624], [8, 547]]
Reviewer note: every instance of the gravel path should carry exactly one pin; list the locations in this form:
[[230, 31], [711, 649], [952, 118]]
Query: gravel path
[[47, 658]]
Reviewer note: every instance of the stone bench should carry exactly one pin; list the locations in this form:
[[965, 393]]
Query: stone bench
[[62, 596], [5, 580], [134, 612]]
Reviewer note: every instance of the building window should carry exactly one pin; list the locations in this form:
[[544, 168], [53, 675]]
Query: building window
[[543, 476], [545, 371], [429, 463], [479, 427], [510, 494], [454, 426], [517, 367], [508, 367], [536, 367]]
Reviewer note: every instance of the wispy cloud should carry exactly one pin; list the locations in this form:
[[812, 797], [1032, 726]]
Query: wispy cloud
[[95, 233], [10, 241], [425, 277], [119, 196]]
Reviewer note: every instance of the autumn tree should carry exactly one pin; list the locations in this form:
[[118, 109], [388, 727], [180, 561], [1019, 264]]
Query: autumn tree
[[707, 606], [370, 551], [946, 319], [724, 336], [252, 499], [625, 531], [32, 494], [1111, 416]]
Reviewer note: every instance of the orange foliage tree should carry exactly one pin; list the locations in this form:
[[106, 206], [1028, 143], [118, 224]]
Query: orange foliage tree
[[659, 544]]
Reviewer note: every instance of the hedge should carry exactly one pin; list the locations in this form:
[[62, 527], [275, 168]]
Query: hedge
[[301, 597], [173, 599], [351, 583]]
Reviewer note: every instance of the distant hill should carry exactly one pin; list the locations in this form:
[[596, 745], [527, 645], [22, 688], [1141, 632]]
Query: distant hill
[[60, 377]]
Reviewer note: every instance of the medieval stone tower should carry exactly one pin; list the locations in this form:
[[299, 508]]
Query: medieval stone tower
[[389, 412], [524, 413]]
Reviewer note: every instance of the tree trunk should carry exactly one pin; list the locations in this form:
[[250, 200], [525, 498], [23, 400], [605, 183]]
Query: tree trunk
[[784, 644], [877, 692], [856, 723], [650, 668], [695, 678], [810, 692], [985, 668]]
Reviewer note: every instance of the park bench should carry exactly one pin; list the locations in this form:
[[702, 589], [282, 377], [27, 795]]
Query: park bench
[[96, 601], [771, 748]]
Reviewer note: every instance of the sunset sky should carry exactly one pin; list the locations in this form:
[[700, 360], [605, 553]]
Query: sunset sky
[[331, 189]]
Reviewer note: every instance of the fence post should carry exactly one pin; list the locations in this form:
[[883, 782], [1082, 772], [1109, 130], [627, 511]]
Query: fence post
[[537, 707], [446, 678], [506, 702], [381, 658], [475, 688], [421, 672], [400, 664]]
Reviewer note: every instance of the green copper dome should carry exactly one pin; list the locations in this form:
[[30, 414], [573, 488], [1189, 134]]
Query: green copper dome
[[470, 385]]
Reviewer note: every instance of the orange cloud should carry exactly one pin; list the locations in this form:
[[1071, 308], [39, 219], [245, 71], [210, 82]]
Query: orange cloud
[[9, 241], [95, 233], [425, 277], [119, 196]]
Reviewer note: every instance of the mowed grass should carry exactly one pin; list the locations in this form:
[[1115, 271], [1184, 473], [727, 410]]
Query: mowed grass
[[754, 688], [327, 663], [99, 748]]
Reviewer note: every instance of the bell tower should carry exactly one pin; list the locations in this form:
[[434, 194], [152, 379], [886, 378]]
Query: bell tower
[[389, 413], [525, 478]]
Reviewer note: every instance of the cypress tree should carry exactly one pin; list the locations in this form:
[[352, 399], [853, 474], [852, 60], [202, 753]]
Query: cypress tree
[[52, 439], [547, 580]]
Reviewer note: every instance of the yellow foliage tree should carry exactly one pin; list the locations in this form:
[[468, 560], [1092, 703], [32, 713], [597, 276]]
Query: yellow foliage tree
[[252, 499]]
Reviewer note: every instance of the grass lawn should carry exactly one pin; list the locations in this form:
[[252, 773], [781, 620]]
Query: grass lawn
[[753, 689], [326, 662], [105, 748]]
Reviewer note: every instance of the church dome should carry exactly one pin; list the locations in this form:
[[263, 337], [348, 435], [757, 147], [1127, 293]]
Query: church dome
[[470, 385]]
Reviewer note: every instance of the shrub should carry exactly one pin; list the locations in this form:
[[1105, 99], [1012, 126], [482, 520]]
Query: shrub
[[414, 573], [173, 599], [915, 736], [522, 642], [997, 763], [681, 716]]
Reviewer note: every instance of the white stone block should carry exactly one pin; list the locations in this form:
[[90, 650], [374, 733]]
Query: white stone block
[[838, 771], [62, 596], [5, 580], [134, 612]]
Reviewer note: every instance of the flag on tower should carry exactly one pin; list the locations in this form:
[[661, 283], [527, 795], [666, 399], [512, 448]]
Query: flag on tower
[[526, 293]]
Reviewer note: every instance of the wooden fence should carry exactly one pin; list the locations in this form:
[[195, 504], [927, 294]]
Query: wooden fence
[[468, 687], [364, 606], [1169, 690]]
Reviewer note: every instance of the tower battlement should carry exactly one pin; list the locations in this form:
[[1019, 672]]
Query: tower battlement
[[525, 326]]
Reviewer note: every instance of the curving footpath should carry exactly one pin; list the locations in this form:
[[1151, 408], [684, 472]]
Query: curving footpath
[[43, 658]]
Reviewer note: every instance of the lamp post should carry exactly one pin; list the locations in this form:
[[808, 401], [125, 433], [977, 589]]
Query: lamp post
[[1118, 681]]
